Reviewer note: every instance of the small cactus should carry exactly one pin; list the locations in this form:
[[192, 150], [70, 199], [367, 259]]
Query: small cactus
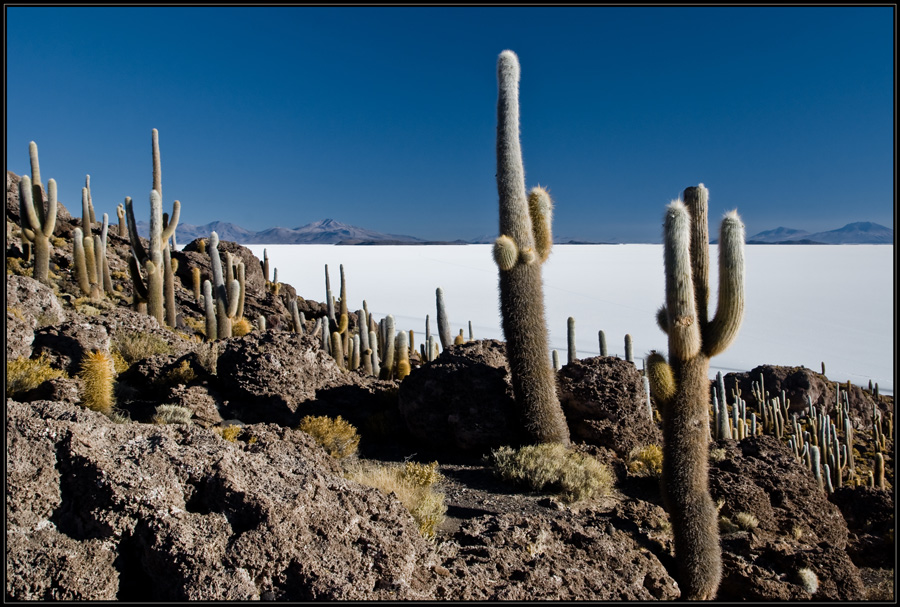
[[570, 338], [97, 374]]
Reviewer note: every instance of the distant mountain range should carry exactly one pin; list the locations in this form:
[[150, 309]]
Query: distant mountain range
[[329, 231], [863, 232]]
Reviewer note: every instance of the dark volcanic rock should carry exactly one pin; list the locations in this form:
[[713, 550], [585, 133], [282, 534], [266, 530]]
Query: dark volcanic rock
[[604, 402], [268, 376], [798, 527], [104, 511], [463, 399]]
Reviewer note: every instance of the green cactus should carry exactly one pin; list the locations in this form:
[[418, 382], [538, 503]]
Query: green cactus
[[602, 337], [209, 307], [149, 296], [525, 242], [570, 338], [693, 340], [120, 213], [37, 226], [228, 295], [629, 349], [442, 321], [401, 350]]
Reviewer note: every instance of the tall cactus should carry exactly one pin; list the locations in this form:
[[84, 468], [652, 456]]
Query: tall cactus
[[693, 340], [37, 226], [228, 295], [151, 293], [442, 321], [524, 244], [156, 263]]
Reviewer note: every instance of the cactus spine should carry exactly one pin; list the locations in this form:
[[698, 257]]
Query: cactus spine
[[524, 243], [693, 340]]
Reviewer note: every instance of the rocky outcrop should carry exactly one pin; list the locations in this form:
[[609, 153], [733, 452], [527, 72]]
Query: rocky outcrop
[[105, 511], [797, 526], [605, 405], [463, 399]]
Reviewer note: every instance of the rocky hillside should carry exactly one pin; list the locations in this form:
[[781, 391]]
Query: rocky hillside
[[230, 500]]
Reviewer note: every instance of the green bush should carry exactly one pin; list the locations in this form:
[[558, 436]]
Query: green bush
[[338, 437], [553, 468]]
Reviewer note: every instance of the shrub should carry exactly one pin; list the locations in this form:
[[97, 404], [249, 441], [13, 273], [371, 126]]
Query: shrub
[[16, 266], [173, 414], [746, 521], [413, 486], [182, 374], [241, 327], [97, 374], [138, 346], [551, 467], [24, 374], [229, 433], [645, 461], [337, 436], [208, 355]]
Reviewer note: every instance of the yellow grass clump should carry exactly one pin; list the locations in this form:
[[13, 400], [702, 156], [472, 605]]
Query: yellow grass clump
[[337, 436], [413, 484], [24, 374]]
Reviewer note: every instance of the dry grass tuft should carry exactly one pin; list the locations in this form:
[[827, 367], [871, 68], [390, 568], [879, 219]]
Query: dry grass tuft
[[413, 486], [645, 461], [24, 374], [172, 414], [138, 346], [241, 327], [337, 436], [554, 468]]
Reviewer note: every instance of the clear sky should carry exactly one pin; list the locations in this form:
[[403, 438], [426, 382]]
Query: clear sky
[[385, 117]]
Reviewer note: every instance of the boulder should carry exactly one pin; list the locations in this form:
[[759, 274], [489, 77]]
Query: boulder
[[604, 403], [463, 399]]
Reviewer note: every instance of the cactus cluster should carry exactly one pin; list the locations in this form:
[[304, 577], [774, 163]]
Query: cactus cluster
[[223, 299], [151, 292], [680, 385]]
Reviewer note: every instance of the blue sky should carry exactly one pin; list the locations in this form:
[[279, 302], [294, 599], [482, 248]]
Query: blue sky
[[385, 117]]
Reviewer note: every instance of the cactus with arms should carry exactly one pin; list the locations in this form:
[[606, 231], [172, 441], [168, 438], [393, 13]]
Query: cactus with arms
[[37, 225], [693, 340], [524, 244]]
